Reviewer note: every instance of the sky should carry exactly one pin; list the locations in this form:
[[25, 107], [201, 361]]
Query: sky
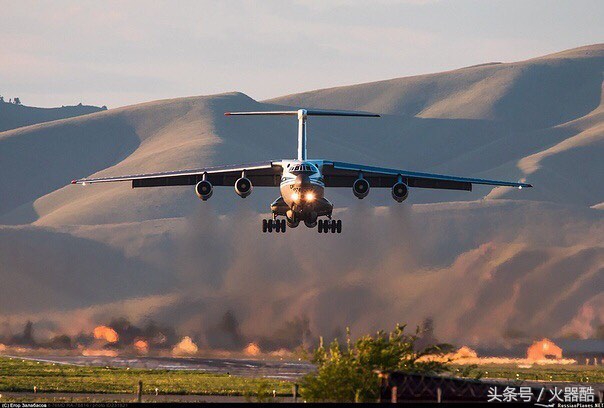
[[118, 53]]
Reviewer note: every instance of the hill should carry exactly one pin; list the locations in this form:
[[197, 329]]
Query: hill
[[471, 261], [13, 116]]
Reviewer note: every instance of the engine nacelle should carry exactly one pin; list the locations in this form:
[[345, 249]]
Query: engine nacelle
[[400, 191], [204, 189], [360, 188], [243, 187]]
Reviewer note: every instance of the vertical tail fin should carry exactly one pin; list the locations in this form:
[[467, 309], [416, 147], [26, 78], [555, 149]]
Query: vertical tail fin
[[302, 115]]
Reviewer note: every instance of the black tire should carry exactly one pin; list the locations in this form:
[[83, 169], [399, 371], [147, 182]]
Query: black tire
[[339, 226], [277, 225], [333, 226], [283, 225], [269, 225], [320, 226], [264, 225]]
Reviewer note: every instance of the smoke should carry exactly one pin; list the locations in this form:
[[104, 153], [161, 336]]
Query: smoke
[[390, 264], [226, 334], [473, 268], [281, 291]]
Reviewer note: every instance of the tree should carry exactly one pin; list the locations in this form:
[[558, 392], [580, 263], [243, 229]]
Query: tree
[[600, 332], [350, 374], [17, 100]]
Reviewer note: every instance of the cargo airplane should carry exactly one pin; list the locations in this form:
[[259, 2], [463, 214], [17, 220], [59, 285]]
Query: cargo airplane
[[302, 182]]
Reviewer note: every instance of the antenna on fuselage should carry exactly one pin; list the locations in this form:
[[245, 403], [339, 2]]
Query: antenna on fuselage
[[302, 115]]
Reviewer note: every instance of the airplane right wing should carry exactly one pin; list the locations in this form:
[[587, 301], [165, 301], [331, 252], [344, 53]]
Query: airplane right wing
[[263, 174], [340, 174]]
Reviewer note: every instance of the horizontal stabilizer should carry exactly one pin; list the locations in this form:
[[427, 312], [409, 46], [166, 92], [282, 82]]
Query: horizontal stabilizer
[[307, 112]]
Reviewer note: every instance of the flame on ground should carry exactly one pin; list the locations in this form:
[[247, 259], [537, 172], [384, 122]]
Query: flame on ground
[[543, 350], [99, 353], [281, 353], [141, 346], [466, 356], [252, 349], [184, 347], [105, 333]]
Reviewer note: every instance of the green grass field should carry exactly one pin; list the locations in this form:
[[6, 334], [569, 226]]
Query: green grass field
[[18, 375], [573, 373]]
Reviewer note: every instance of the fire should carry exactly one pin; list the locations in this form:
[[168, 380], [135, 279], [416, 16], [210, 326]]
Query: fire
[[543, 350], [465, 355], [99, 353], [252, 349], [281, 353], [186, 346], [141, 346], [105, 333], [464, 352]]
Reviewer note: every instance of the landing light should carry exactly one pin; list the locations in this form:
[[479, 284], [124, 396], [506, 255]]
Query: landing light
[[519, 187], [309, 196], [295, 196]]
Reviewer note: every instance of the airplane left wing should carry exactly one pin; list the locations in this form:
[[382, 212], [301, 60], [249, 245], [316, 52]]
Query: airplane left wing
[[263, 174], [340, 174]]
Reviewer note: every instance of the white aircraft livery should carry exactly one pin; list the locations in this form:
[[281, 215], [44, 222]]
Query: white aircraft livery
[[301, 182]]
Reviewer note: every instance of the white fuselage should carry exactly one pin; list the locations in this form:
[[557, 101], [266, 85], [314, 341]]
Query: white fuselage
[[302, 187]]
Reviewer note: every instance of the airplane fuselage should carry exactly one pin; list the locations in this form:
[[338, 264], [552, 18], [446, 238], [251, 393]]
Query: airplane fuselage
[[302, 192]]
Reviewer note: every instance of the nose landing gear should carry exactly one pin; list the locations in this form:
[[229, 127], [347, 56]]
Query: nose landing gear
[[332, 226]]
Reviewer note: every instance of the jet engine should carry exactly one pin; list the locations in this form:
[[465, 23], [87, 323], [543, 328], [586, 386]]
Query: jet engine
[[360, 188], [243, 187], [400, 191], [204, 190]]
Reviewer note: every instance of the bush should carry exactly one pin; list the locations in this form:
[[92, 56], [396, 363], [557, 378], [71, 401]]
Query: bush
[[351, 374]]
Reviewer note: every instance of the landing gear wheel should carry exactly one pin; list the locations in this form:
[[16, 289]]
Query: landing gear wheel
[[339, 226], [323, 226], [279, 225], [268, 225], [332, 226]]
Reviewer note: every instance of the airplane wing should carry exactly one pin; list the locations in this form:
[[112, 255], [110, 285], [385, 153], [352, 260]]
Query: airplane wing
[[340, 174], [262, 174]]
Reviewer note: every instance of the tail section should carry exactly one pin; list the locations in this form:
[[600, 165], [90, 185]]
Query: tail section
[[302, 114]]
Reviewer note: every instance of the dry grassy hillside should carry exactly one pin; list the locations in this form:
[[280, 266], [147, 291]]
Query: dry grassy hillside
[[464, 263], [531, 94], [13, 116]]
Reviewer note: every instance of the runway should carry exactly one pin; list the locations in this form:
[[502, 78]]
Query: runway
[[278, 369]]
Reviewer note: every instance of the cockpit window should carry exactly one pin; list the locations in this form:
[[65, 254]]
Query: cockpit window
[[303, 168]]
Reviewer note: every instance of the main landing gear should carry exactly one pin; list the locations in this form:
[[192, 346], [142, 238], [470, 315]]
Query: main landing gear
[[323, 226], [332, 226], [271, 225]]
